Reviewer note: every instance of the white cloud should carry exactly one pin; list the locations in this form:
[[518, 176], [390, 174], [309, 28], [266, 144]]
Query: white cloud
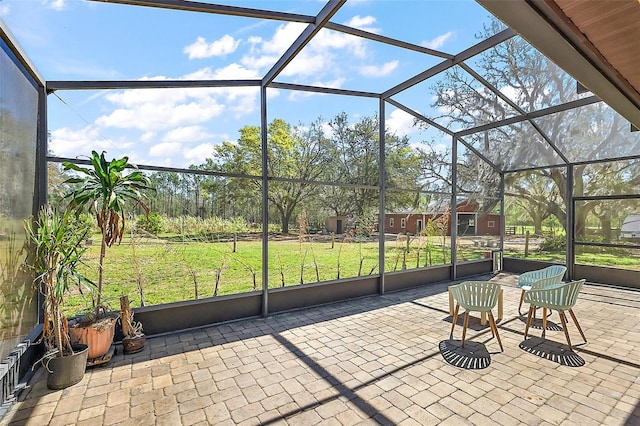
[[400, 122], [180, 154], [166, 149], [327, 40], [307, 64], [378, 71], [67, 142], [240, 100], [334, 84], [264, 53], [284, 36], [260, 61], [55, 4], [148, 136], [510, 92], [201, 49], [317, 58], [230, 72], [153, 116], [327, 130], [363, 23], [4, 9], [438, 42], [152, 110], [187, 134], [199, 153]]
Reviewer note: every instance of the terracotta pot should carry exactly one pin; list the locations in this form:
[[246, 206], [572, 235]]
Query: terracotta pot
[[133, 344], [98, 336], [67, 370]]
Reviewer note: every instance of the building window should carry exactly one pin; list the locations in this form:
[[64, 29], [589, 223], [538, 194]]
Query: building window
[[403, 223], [491, 224], [392, 222]]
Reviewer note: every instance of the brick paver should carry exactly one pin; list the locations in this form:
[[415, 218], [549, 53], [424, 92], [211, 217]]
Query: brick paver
[[375, 360]]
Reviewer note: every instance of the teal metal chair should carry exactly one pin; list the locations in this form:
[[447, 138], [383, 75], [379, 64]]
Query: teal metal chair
[[475, 296], [541, 278], [561, 297]]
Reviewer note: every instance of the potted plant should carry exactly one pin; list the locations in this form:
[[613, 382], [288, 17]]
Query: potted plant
[[55, 252], [134, 338], [104, 189]]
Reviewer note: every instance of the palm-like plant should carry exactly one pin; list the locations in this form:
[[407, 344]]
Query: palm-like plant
[[55, 252], [105, 190]]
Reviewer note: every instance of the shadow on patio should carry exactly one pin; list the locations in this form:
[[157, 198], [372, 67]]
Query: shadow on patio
[[380, 359]]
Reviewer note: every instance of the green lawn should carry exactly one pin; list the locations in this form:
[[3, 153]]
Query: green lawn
[[612, 260], [168, 269]]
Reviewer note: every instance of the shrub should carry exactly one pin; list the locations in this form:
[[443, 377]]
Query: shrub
[[151, 223], [553, 243]]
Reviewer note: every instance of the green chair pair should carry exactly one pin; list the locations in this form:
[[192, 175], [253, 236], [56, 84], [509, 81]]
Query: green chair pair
[[475, 296], [541, 278], [557, 297], [482, 296]]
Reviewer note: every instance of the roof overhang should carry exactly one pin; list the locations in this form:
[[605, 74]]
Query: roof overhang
[[596, 42]]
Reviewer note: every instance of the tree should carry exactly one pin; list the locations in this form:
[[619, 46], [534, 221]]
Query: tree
[[356, 160], [166, 199], [105, 190], [533, 83], [293, 153], [533, 192]]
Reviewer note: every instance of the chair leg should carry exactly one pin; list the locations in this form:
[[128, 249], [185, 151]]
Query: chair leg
[[521, 300], [453, 322], [492, 322], [563, 318], [464, 327], [526, 329], [544, 322], [575, 321]]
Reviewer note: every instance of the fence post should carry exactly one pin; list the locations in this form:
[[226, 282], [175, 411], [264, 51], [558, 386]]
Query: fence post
[[526, 244]]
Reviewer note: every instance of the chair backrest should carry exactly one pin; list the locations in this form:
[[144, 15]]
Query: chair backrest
[[556, 270], [548, 281], [553, 272], [559, 297], [476, 295]]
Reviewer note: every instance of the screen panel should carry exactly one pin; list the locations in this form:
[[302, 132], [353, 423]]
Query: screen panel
[[18, 140]]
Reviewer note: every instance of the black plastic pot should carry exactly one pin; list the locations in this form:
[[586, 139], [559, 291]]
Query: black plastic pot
[[67, 370]]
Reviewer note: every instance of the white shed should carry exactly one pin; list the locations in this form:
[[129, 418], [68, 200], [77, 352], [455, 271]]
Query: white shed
[[630, 227]]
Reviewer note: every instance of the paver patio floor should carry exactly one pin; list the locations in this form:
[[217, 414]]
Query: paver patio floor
[[375, 360]]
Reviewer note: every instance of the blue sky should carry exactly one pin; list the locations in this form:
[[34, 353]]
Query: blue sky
[[81, 40]]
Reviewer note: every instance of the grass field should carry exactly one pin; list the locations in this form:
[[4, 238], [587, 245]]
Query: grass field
[[168, 270], [612, 260]]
